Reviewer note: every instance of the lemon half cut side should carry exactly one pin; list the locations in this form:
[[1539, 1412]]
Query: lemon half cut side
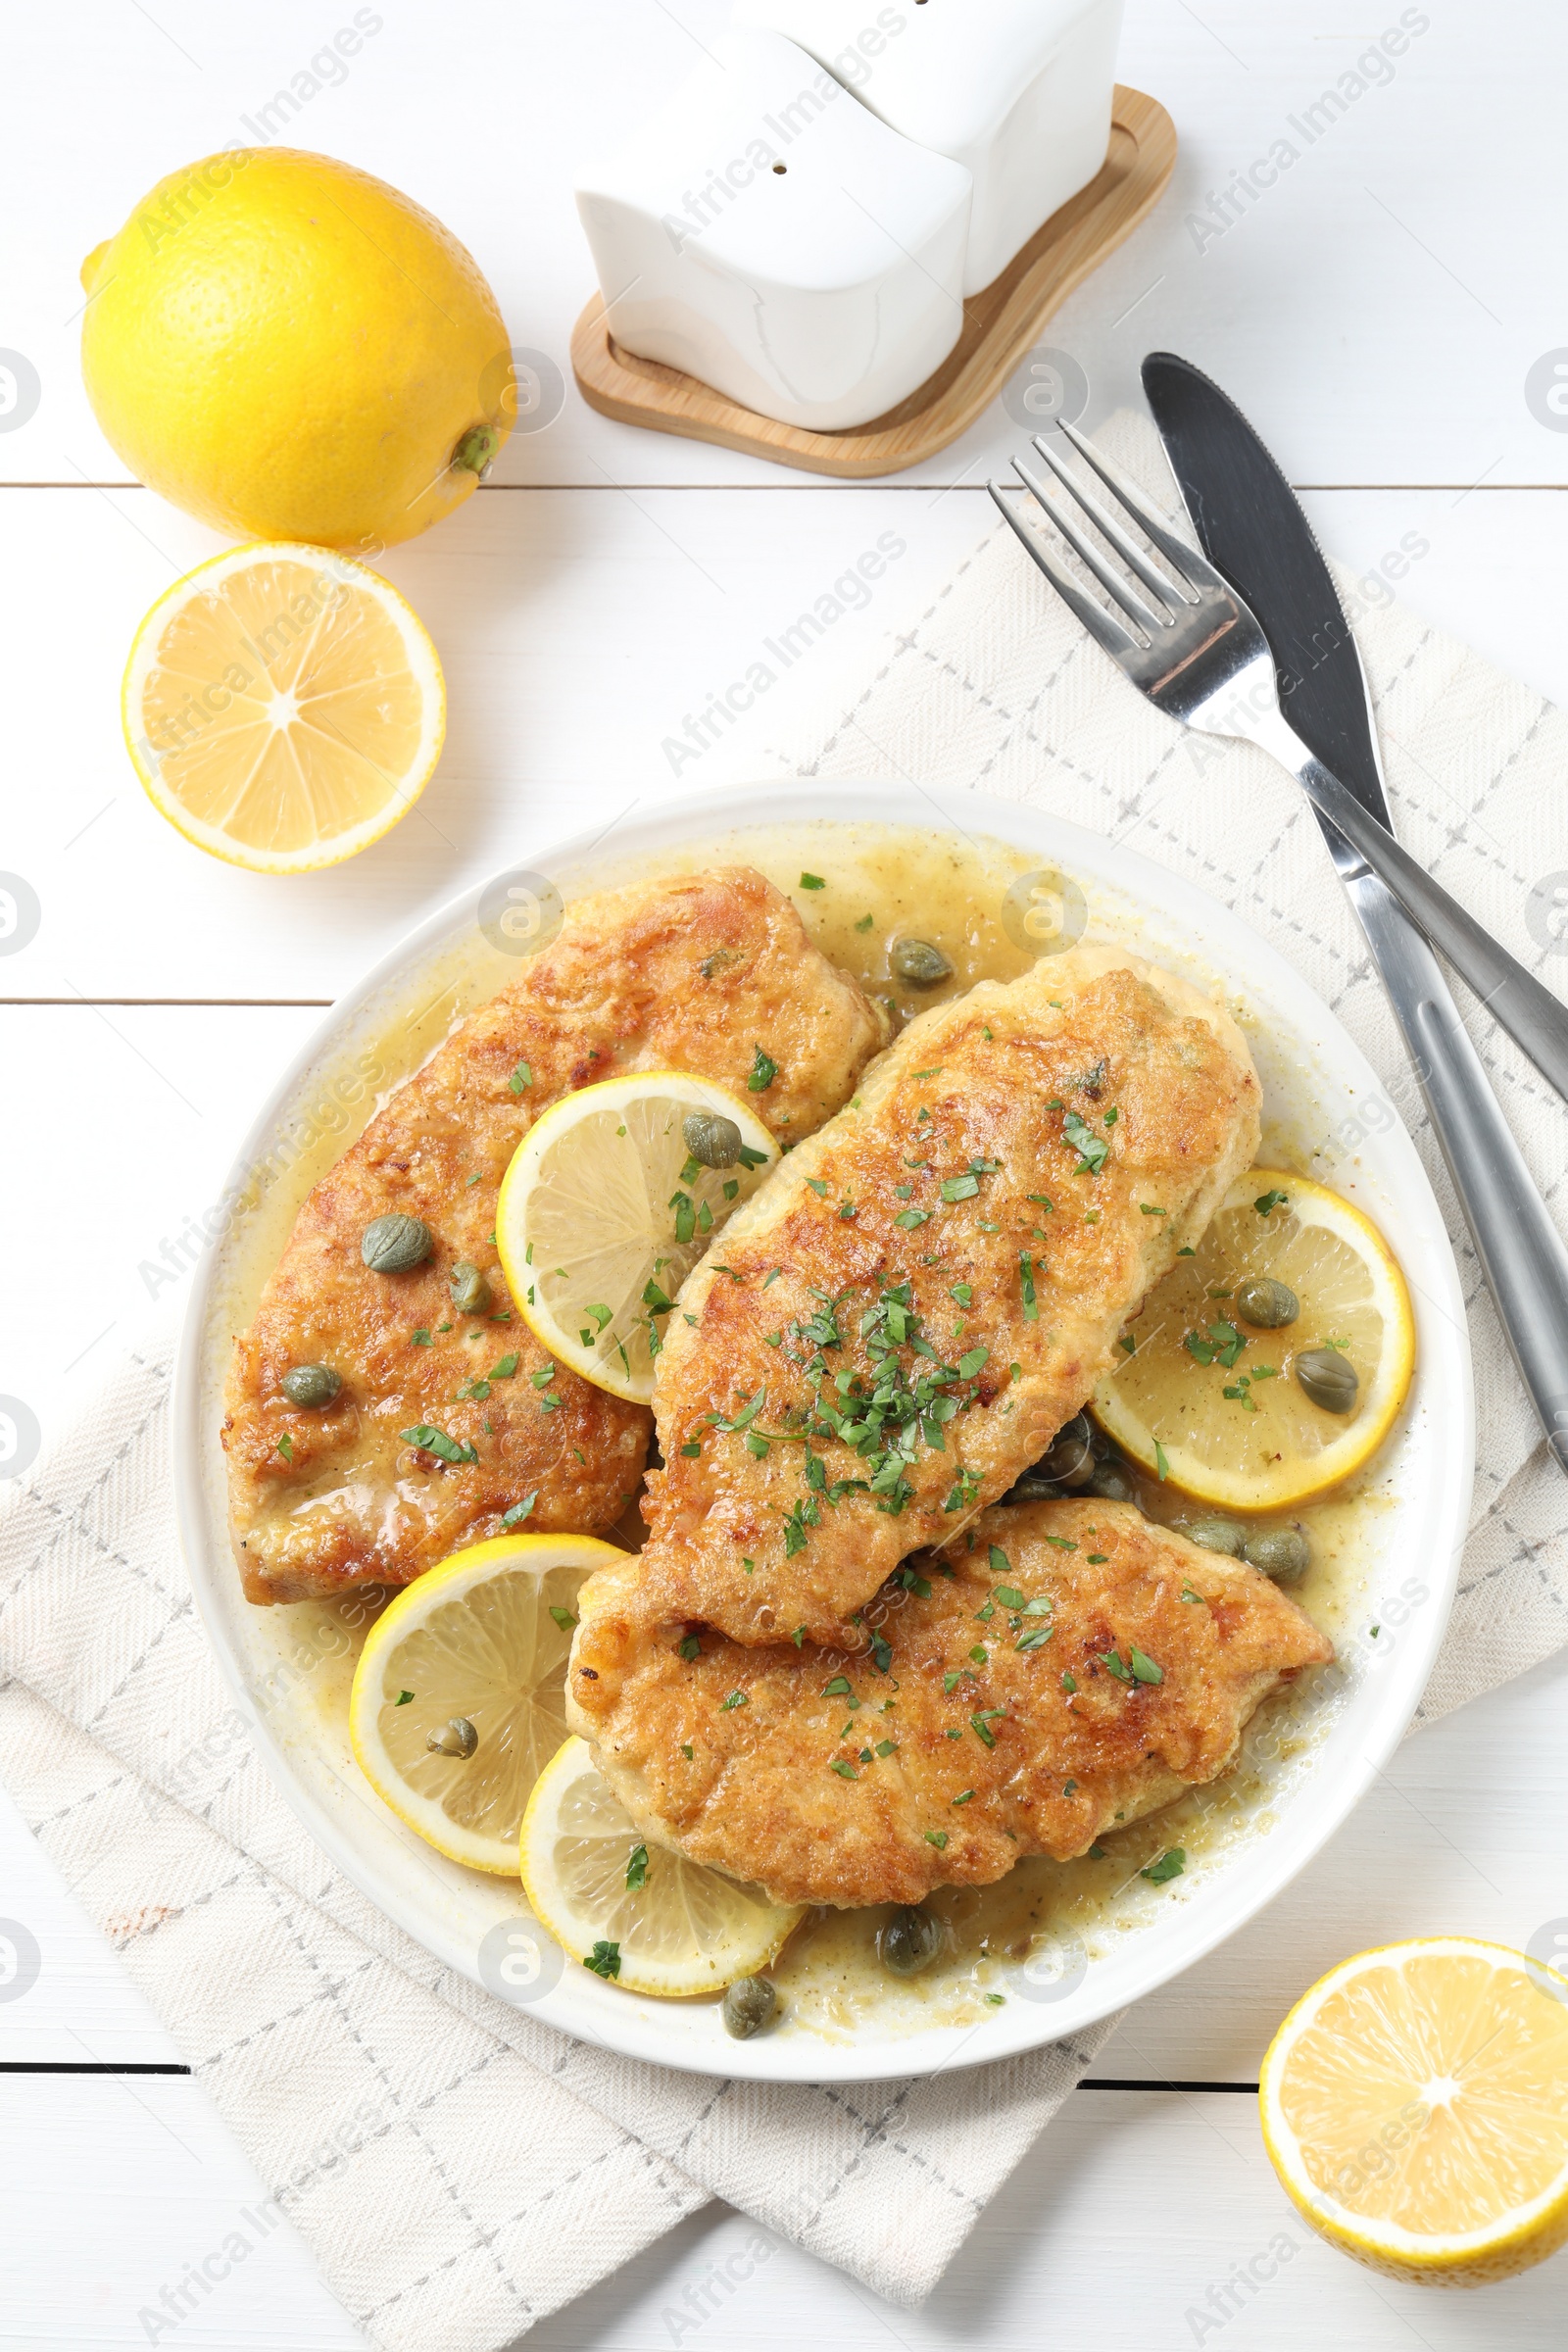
[[1415, 2107], [1203, 1398], [604, 1213], [641, 1916], [283, 707], [483, 1640]]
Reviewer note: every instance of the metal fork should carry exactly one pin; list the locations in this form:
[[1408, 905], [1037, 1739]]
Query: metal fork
[[1197, 651]]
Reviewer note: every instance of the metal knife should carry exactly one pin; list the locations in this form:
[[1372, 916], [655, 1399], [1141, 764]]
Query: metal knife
[[1251, 526]]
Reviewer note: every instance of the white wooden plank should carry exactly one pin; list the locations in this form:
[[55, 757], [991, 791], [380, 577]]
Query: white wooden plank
[[135, 1115], [579, 629], [1379, 307], [132, 2218]]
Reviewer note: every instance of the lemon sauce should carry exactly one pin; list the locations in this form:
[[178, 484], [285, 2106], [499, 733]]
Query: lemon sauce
[[989, 909]]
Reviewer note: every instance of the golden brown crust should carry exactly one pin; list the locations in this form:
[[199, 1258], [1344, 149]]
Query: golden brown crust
[[746, 1533], [1050, 1766], [694, 973]]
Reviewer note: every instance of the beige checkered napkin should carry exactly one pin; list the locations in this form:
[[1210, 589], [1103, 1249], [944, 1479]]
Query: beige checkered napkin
[[995, 688], [459, 2169]]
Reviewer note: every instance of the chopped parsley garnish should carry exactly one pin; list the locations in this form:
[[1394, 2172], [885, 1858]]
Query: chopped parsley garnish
[[521, 1076], [736, 1698], [689, 1648], [1036, 1638], [813, 882], [436, 1441], [403, 1698], [419, 1339], [1068, 1683], [910, 1218], [562, 1616], [981, 1724], [765, 1069], [864, 923], [506, 1369], [963, 1291], [1161, 1465], [1026, 1276], [846, 1772], [963, 1799], [1092, 1150], [604, 1959], [960, 1187], [1145, 1668], [1266, 1203], [286, 1447], [1144, 1210], [937, 1838], [520, 1510], [1170, 1865], [636, 1868]]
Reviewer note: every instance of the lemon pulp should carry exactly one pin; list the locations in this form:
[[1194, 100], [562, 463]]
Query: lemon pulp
[[482, 1640], [1212, 1403], [657, 1923], [603, 1213], [1415, 2105], [283, 707]]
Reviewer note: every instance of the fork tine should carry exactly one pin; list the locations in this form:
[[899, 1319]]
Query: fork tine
[[1116, 588], [1107, 632], [1168, 591], [1190, 567]]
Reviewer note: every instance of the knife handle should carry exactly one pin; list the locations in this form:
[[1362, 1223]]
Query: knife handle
[[1535, 1020], [1521, 1253]]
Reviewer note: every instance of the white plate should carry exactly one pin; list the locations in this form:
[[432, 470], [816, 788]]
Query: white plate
[[1318, 1090]]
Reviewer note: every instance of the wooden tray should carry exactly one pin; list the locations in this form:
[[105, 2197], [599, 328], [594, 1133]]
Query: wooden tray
[[1000, 325]]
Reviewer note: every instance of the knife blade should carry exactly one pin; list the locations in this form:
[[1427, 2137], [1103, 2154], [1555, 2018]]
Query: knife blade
[[1251, 526]]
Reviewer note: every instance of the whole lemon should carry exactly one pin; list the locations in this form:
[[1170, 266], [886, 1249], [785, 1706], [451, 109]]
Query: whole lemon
[[289, 349]]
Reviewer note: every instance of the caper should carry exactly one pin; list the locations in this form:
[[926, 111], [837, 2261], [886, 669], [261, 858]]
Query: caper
[[1267, 1305], [712, 1141], [919, 961], [455, 1738], [1030, 1489], [311, 1385], [911, 1941], [1111, 1483], [1282, 1552], [471, 1293], [751, 2001], [1071, 1460], [396, 1245], [1328, 1379], [1215, 1534]]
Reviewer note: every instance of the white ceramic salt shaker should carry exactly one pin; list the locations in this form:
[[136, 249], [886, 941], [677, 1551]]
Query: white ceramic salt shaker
[[768, 234], [1018, 91]]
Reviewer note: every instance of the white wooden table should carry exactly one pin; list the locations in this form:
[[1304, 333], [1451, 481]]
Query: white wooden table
[[1379, 311]]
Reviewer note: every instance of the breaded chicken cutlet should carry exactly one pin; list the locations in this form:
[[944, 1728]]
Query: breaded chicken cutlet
[[1078, 1667], [691, 972], [913, 1304]]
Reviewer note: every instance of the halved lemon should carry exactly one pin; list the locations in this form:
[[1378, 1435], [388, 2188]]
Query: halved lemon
[[1415, 2107], [480, 1642], [604, 1213], [283, 707], [640, 1916], [1213, 1403]]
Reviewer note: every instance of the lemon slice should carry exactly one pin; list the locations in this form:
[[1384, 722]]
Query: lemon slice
[[483, 1640], [602, 1215], [675, 1930], [1415, 2107], [283, 707], [1230, 1422]]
